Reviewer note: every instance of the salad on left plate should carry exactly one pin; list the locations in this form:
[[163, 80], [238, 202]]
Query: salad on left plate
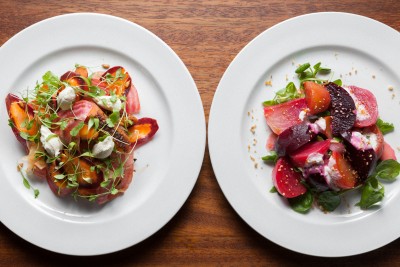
[[80, 131]]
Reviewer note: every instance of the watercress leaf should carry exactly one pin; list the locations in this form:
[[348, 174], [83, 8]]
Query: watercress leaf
[[59, 176], [36, 193], [302, 203], [63, 124], [77, 128], [113, 119], [51, 79], [269, 103], [388, 170], [114, 191], [329, 200], [338, 82], [302, 68], [272, 157], [385, 127], [86, 154], [26, 182], [273, 190], [317, 66], [324, 70], [370, 195]]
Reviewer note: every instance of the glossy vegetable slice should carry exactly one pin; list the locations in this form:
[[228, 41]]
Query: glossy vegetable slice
[[388, 152], [342, 109], [143, 131], [22, 118], [286, 180], [317, 97], [116, 79], [299, 157], [282, 116], [347, 178], [366, 106], [293, 138]]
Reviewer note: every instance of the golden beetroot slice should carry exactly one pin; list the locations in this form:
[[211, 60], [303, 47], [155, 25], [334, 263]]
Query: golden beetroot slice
[[317, 97], [282, 116], [286, 180], [143, 130]]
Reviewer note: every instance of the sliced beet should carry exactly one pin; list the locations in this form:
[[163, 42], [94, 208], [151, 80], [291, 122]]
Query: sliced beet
[[293, 138], [286, 180], [343, 109], [299, 157], [362, 161], [366, 105]]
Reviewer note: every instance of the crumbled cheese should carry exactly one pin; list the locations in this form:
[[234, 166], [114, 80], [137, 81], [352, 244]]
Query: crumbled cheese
[[111, 103], [366, 141], [331, 174], [321, 123], [314, 159], [103, 149], [50, 141], [66, 98]]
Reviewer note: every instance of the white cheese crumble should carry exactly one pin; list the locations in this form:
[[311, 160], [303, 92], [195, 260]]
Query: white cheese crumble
[[362, 142], [314, 159], [361, 111], [111, 103], [65, 98], [103, 149], [50, 141], [321, 123], [331, 174], [303, 113]]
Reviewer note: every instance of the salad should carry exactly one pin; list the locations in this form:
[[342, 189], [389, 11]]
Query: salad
[[80, 131], [327, 139]]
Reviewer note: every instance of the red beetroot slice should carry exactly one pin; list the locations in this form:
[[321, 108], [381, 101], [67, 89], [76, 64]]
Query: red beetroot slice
[[293, 138], [299, 157], [282, 116], [342, 109], [388, 152], [366, 106], [286, 180], [362, 161]]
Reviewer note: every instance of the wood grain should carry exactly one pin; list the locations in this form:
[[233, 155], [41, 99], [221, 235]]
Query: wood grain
[[206, 35]]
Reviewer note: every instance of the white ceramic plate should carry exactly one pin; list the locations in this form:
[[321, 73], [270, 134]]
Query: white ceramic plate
[[362, 52], [166, 168]]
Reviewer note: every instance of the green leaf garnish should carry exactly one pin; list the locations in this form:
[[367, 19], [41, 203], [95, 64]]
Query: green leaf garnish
[[371, 195], [329, 200], [385, 127], [387, 170], [77, 128], [302, 203], [272, 157]]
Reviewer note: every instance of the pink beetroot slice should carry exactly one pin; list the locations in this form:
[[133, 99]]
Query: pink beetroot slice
[[286, 180]]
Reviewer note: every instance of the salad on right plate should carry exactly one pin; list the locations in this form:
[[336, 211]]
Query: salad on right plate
[[327, 139]]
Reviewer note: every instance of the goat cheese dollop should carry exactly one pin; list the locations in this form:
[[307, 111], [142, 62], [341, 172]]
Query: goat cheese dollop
[[50, 141], [65, 98], [111, 103], [103, 149]]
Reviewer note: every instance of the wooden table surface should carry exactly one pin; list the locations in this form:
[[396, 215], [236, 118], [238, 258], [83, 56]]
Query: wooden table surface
[[206, 35]]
